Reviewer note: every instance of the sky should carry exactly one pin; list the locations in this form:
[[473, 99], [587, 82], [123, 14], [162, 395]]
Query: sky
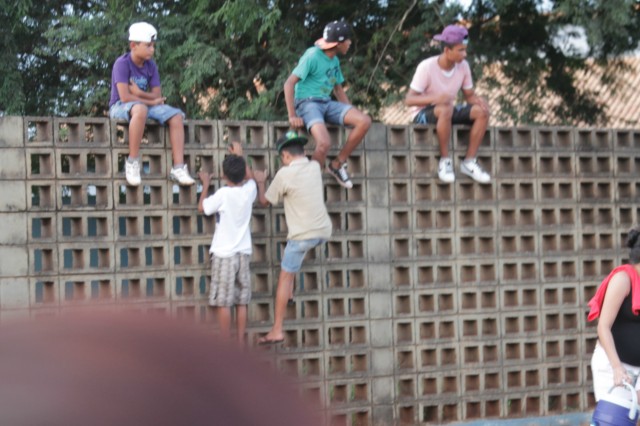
[[546, 4]]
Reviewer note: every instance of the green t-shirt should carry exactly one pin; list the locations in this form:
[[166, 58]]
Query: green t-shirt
[[318, 74]]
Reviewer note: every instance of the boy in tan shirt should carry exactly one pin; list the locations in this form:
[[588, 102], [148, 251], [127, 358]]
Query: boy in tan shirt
[[298, 184]]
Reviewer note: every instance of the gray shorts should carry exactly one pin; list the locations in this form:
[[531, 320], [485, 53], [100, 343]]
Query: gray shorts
[[230, 280]]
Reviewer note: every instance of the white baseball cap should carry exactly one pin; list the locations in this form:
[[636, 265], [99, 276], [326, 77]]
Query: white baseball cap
[[141, 31]]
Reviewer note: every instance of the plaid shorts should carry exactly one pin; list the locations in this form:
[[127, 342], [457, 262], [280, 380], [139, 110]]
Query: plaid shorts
[[230, 280]]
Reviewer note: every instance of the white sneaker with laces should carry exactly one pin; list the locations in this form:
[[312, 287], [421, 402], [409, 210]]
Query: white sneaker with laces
[[181, 176], [473, 169], [445, 170], [132, 172]]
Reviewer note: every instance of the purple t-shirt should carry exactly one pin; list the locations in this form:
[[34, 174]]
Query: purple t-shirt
[[124, 70]]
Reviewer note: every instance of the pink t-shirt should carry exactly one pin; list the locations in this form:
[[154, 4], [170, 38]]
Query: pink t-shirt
[[430, 79]]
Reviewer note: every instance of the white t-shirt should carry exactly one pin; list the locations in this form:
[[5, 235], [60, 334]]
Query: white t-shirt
[[430, 79], [232, 206]]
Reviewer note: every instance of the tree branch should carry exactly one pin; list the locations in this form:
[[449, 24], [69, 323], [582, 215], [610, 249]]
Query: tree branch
[[396, 29]]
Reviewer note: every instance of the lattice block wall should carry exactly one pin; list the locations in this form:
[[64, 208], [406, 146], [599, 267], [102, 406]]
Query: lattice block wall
[[431, 303]]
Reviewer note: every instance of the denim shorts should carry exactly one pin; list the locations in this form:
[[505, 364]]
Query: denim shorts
[[318, 110], [461, 115], [160, 113], [295, 251]]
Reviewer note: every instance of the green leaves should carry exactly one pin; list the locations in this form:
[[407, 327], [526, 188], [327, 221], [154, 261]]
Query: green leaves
[[230, 58], [243, 17]]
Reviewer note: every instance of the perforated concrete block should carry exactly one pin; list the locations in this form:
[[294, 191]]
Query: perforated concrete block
[[13, 196], [398, 137], [14, 228], [252, 134], [555, 138], [13, 261], [11, 134], [202, 133], [14, 293]]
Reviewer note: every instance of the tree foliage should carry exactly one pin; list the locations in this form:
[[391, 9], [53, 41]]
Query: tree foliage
[[230, 58]]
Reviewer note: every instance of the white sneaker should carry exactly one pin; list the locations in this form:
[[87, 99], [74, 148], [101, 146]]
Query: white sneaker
[[473, 169], [445, 170], [181, 176], [132, 172]]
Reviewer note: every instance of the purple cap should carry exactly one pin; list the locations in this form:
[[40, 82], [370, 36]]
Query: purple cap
[[453, 34]]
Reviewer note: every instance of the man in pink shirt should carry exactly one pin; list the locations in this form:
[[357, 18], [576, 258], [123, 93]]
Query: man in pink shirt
[[432, 96]]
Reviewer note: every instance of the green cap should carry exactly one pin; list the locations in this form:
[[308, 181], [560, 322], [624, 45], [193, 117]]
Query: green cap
[[291, 137]]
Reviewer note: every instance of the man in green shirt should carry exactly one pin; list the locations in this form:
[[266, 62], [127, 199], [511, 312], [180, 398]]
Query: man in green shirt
[[307, 93]]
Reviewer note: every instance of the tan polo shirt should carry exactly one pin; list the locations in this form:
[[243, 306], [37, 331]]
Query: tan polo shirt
[[299, 187]]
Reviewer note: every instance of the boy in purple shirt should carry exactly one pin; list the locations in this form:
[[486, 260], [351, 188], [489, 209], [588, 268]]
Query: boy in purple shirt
[[136, 96]]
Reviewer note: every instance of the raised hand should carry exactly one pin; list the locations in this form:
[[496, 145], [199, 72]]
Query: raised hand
[[235, 148]]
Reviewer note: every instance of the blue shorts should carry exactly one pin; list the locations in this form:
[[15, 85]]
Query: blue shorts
[[319, 110], [461, 115], [295, 251], [160, 113]]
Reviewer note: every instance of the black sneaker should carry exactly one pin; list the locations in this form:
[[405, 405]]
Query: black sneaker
[[341, 175]]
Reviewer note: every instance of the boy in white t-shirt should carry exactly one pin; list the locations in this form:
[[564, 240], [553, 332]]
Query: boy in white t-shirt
[[231, 246], [432, 95]]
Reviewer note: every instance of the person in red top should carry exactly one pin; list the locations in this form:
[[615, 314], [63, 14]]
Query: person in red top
[[616, 304]]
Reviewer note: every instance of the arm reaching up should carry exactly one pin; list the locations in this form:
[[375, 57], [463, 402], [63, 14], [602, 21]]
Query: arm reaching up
[[260, 176], [206, 179]]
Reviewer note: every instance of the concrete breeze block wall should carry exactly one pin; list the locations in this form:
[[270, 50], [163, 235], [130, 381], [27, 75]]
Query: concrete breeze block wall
[[432, 303]]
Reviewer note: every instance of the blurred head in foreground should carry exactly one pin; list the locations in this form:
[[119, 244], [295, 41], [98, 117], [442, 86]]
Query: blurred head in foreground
[[136, 369]]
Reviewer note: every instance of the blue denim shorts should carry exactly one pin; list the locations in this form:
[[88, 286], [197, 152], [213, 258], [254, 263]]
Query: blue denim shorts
[[318, 110], [160, 113], [295, 251]]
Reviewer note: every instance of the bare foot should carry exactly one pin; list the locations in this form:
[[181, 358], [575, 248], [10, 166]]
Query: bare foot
[[271, 339]]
